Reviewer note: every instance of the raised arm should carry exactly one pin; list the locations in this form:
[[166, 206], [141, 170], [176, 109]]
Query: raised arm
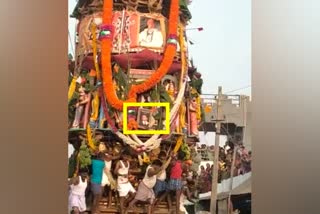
[[116, 169], [167, 163], [152, 171], [115, 157], [135, 170]]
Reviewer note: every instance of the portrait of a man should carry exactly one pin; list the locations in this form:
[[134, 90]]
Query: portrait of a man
[[144, 117], [150, 33]]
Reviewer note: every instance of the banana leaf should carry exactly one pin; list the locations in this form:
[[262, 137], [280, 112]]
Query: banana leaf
[[72, 164], [184, 9], [197, 84], [85, 156]]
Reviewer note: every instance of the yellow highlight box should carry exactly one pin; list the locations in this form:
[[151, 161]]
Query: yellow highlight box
[[145, 132]]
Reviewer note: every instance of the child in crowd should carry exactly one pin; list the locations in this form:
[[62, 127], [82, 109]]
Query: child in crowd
[[77, 200], [124, 186]]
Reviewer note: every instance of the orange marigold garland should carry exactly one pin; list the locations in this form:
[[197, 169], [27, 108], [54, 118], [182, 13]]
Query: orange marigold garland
[[106, 47], [132, 124]]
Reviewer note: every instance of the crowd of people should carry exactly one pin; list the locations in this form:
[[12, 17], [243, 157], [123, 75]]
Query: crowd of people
[[167, 175], [242, 165], [163, 177]]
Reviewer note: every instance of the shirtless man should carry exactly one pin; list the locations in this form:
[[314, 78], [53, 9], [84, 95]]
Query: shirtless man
[[145, 190]]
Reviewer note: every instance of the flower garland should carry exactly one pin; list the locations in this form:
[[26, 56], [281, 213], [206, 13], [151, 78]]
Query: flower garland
[[108, 85], [132, 124], [106, 47], [105, 111], [90, 140], [72, 87], [155, 140], [95, 107], [182, 116], [178, 144], [125, 139], [198, 100], [94, 48]]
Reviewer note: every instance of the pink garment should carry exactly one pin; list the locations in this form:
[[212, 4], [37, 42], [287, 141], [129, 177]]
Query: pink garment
[[193, 119], [194, 123]]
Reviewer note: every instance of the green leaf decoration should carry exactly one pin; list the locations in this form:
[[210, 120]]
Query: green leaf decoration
[[186, 150], [72, 164], [197, 84], [122, 83], [84, 156]]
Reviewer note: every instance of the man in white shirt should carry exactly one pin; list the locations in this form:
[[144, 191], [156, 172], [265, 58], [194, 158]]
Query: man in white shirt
[[151, 36], [144, 121]]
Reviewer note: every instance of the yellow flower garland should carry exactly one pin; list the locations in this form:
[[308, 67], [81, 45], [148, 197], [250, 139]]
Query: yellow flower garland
[[95, 107], [198, 100], [89, 136], [72, 87], [106, 47], [178, 144], [94, 48]]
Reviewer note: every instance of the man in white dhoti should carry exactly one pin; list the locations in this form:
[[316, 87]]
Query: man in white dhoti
[[124, 186], [77, 199]]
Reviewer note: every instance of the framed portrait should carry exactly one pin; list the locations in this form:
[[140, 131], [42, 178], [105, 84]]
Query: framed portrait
[[134, 31], [144, 118], [152, 31]]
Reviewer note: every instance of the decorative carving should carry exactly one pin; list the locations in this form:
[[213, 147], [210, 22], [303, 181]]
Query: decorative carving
[[140, 73], [168, 78], [155, 5]]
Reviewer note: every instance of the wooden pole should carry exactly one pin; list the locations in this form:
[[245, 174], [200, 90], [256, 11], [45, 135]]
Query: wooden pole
[[243, 106], [188, 113], [215, 171], [235, 150]]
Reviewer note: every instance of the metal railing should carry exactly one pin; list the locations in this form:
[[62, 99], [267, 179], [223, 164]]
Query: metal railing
[[211, 98]]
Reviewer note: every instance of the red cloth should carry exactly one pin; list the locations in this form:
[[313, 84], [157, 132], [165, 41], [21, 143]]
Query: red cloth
[[176, 171], [137, 60], [142, 58]]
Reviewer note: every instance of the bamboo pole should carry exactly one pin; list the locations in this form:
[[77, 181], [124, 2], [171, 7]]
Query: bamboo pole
[[231, 177], [213, 204]]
